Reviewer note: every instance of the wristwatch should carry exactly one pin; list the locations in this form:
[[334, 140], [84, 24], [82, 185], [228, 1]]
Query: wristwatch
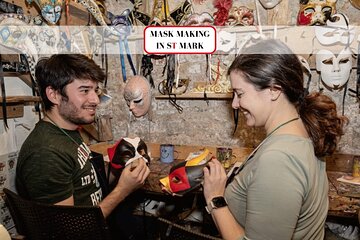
[[216, 202]]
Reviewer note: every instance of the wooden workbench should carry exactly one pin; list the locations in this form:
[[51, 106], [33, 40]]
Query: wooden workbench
[[344, 199]]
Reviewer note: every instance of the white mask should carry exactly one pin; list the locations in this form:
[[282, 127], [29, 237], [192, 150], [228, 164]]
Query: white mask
[[138, 95], [306, 68], [335, 70], [338, 31], [268, 4]]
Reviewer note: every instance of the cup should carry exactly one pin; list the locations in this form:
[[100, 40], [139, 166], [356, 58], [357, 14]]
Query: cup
[[224, 155], [166, 153]]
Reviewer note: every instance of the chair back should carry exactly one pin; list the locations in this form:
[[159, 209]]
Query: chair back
[[37, 221]]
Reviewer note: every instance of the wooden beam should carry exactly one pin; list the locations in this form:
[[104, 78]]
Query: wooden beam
[[13, 111], [21, 99]]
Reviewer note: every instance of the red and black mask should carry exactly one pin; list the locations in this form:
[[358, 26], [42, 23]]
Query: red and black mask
[[126, 151], [185, 176]]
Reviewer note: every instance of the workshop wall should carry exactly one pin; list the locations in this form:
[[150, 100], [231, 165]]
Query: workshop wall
[[211, 123]]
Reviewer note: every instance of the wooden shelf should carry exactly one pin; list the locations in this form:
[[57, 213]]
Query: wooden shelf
[[195, 96], [13, 111], [21, 99], [25, 77]]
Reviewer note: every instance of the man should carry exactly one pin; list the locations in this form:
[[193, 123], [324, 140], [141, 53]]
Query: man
[[53, 165]]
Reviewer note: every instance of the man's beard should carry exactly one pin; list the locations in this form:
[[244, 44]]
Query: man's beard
[[70, 113]]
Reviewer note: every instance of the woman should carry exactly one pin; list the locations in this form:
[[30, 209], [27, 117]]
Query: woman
[[281, 191]]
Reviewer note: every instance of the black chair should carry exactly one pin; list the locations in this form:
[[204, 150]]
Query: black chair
[[37, 221]]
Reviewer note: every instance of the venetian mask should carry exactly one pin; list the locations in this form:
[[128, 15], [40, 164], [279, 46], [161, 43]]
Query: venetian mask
[[203, 19], [50, 9], [126, 151], [315, 12], [335, 70], [268, 4], [137, 95], [240, 16], [121, 22], [336, 31], [186, 176]]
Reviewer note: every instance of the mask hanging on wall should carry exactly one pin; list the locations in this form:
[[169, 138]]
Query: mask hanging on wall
[[50, 9], [195, 19], [335, 70], [123, 26], [269, 4], [137, 95], [240, 16], [222, 13], [314, 12], [161, 14], [336, 31]]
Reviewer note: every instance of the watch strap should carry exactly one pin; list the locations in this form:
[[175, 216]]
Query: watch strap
[[215, 203]]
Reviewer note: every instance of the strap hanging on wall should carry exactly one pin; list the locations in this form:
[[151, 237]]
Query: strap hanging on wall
[[357, 90], [3, 94]]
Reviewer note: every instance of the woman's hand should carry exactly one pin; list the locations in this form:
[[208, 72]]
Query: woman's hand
[[214, 180]]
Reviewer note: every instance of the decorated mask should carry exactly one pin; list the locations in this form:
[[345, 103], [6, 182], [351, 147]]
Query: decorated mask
[[126, 151], [336, 31], [50, 9], [268, 4], [203, 19], [240, 16], [121, 22], [335, 70], [186, 176], [315, 12], [137, 95]]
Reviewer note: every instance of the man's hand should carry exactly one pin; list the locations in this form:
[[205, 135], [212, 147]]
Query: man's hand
[[133, 176]]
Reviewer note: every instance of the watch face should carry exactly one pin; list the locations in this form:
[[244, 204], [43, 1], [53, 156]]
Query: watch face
[[219, 202]]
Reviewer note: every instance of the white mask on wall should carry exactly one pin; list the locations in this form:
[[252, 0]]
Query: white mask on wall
[[335, 70], [137, 95], [268, 4], [335, 32]]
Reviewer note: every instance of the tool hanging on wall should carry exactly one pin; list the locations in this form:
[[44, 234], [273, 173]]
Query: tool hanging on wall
[[146, 69], [162, 16], [167, 88]]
